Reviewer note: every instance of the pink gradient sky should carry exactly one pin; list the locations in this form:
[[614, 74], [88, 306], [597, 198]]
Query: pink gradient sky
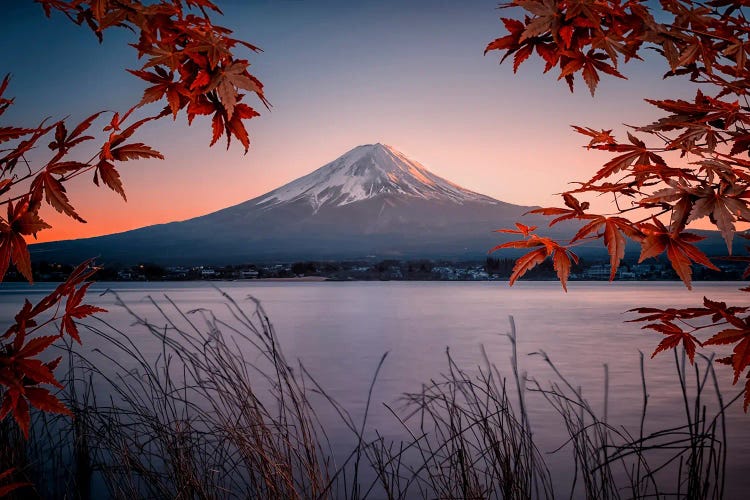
[[337, 75]]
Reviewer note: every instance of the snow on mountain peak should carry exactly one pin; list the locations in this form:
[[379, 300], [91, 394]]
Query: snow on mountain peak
[[369, 171]]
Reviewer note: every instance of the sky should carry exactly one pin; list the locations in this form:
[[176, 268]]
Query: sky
[[338, 74]]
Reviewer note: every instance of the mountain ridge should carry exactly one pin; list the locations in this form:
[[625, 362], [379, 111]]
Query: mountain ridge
[[372, 202]]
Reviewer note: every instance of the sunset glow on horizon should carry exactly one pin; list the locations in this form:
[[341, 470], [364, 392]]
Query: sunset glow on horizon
[[337, 75]]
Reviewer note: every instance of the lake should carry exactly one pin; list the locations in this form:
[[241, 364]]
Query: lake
[[340, 330]]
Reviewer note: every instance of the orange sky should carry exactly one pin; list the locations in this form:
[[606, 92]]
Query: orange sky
[[412, 77]]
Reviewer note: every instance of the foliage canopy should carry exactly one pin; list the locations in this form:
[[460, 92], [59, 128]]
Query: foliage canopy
[[690, 164]]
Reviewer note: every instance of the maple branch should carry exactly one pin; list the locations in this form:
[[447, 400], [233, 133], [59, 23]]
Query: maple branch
[[695, 31], [708, 45], [617, 203], [695, 328], [210, 79], [42, 325], [80, 171]]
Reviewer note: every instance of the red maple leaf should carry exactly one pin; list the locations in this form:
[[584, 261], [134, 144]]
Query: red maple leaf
[[614, 231], [674, 336], [680, 251], [75, 310], [561, 255]]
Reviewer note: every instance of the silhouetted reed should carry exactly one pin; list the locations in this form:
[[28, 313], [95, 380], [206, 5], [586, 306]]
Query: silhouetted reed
[[219, 412]]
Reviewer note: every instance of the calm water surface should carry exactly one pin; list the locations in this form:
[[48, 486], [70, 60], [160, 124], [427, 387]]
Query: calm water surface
[[339, 331]]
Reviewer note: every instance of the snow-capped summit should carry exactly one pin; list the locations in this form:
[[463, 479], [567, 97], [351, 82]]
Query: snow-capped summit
[[365, 172], [372, 202]]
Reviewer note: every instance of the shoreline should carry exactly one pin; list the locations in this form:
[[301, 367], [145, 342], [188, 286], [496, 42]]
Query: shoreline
[[297, 279]]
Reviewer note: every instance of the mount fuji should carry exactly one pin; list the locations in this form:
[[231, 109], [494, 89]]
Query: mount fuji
[[369, 172], [371, 203]]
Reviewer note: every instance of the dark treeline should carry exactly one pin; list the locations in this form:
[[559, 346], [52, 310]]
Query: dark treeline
[[388, 269]]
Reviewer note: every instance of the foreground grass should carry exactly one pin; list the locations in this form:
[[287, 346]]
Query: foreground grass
[[220, 413]]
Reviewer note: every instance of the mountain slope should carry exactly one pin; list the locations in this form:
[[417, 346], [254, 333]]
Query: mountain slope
[[367, 172], [372, 202]]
